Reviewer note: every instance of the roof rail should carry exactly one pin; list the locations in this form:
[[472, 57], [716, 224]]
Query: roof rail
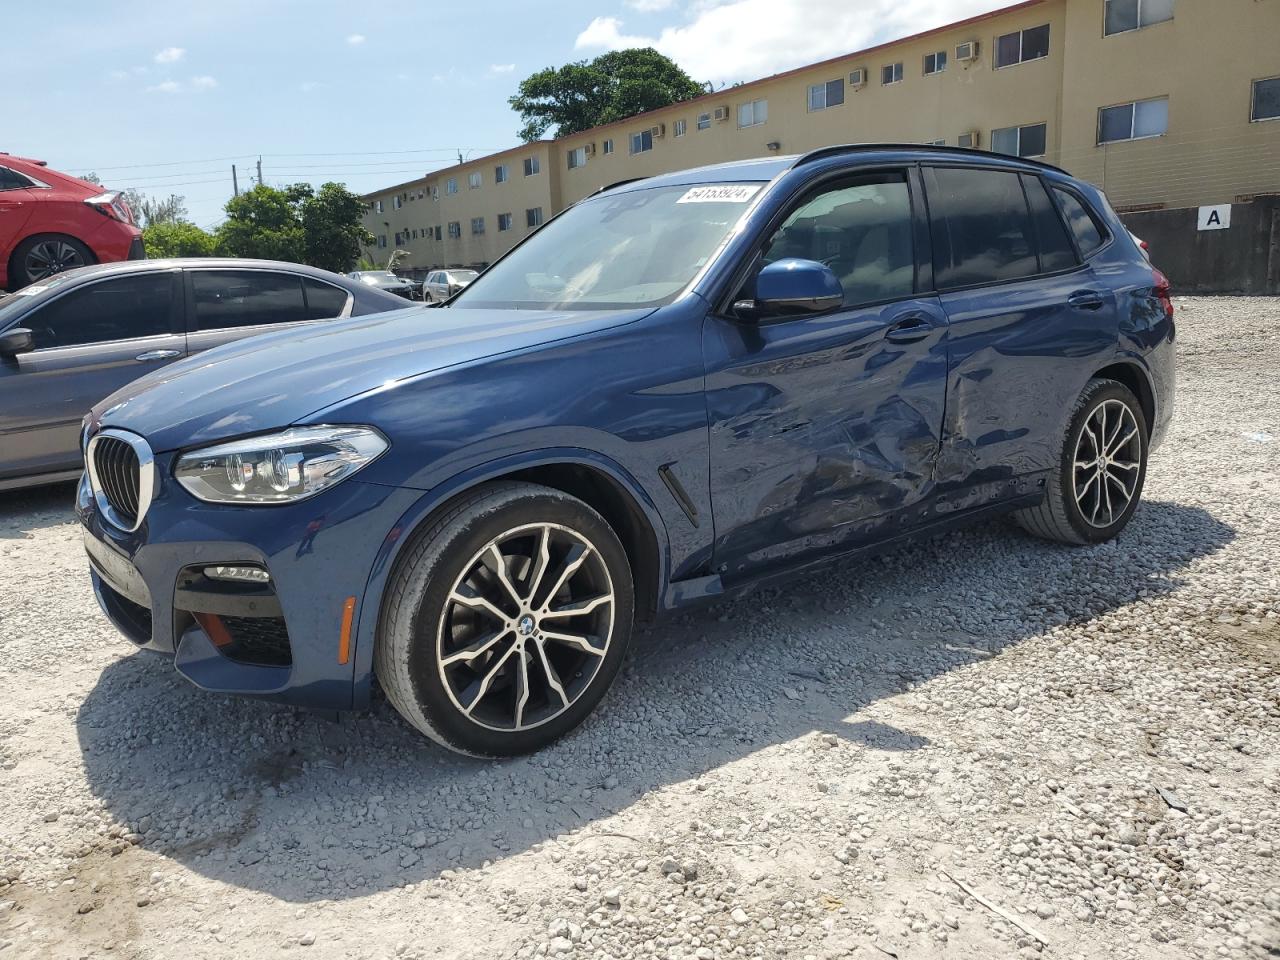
[[839, 149]]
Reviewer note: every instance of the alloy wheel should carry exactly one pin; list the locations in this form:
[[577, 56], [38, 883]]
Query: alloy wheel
[[1108, 462], [526, 627], [49, 257]]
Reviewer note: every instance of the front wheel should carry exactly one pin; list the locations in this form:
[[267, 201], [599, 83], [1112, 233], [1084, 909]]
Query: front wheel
[[508, 619], [1095, 490]]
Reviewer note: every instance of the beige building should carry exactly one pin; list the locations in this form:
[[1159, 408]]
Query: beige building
[[1163, 103]]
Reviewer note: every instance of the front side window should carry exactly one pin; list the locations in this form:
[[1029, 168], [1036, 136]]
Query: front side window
[[1266, 100], [1124, 15], [892, 73], [324, 300], [982, 228], [935, 62], [617, 250], [121, 309], [753, 114], [829, 94], [246, 298], [1025, 141], [862, 230], [1089, 236], [1134, 121], [1024, 45], [642, 142]]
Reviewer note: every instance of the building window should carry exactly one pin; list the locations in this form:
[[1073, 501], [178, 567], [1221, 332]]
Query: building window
[[533, 217], [607, 146], [477, 226], [1266, 100], [829, 94], [1028, 141], [577, 157], [532, 166], [474, 181], [1125, 15], [642, 142], [753, 114], [455, 229], [451, 185], [382, 241], [377, 205], [935, 62], [891, 73], [678, 128], [936, 143], [413, 235], [500, 173], [704, 121], [1014, 48], [1134, 121], [422, 194], [396, 202], [504, 222], [439, 234]]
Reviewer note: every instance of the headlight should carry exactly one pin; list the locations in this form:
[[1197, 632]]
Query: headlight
[[280, 467]]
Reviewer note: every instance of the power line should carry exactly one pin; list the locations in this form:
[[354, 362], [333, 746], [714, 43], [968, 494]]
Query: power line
[[451, 151]]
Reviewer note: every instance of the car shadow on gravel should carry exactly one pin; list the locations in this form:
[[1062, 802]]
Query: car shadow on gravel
[[23, 511], [267, 798]]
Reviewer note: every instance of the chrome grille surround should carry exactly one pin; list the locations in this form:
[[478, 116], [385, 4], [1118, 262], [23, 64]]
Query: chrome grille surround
[[122, 476]]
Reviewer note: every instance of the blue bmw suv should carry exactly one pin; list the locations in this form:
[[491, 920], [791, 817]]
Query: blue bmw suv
[[675, 390]]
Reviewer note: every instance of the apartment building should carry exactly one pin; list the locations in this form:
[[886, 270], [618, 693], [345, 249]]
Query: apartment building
[[1163, 103]]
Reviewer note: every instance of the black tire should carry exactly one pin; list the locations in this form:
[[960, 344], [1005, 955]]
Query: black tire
[[423, 623], [19, 276], [1063, 516]]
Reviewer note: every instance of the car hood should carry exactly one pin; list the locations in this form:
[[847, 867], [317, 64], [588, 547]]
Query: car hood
[[276, 379]]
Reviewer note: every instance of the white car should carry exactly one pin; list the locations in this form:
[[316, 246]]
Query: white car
[[440, 285]]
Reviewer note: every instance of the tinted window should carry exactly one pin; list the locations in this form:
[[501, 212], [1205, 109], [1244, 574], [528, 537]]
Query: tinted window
[[1056, 251], [1088, 235], [982, 229], [119, 309], [246, 298], [324, 300], [1266, 99], [11, 180], [862, 231]]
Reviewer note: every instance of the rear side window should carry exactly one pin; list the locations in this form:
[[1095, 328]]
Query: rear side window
[[1089, 236], [120, 309], [1056, 250], [246, 298], [982, 228], [12, 180], [324, 300]]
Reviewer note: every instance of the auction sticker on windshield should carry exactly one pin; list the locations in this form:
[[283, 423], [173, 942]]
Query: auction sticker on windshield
[[721, 193]]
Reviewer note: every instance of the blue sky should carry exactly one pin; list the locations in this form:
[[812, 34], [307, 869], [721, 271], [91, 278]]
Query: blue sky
[[165, 96]]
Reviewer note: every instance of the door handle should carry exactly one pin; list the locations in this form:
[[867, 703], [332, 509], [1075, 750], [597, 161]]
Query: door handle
[[1086, 300], [909, 330], [158, 355]]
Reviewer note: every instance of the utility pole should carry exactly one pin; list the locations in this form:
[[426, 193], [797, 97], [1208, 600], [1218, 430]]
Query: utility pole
[[235, 183], [460, 160], [259, 171]]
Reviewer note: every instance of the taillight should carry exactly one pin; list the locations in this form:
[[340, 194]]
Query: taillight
[[1162, 290], [112, 204]]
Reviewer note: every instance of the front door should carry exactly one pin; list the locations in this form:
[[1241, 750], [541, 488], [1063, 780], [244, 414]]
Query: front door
[[89, 342], [825, 428]]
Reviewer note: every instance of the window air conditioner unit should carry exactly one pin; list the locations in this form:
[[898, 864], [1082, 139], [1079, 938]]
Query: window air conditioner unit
[[972, 139], [658, 130], [965, 52], [858, 78], [722, 114], [589, 149]]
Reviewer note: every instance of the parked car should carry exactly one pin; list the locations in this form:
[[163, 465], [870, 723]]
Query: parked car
[[440, 285], [676, 390], [51, 222], [389, 282], [68, 342]]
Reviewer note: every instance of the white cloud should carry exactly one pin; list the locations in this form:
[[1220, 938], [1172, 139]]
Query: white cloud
[[650, 6], [169, 86], [501, 67], [203, 83], [170, 55], [724, 41], [356, 39]]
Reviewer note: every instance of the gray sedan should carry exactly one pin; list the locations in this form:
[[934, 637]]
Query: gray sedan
[[72, 340]]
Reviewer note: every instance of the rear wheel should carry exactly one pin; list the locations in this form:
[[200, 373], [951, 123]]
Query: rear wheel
[[40, 257], [1098, 484], [507, 622]]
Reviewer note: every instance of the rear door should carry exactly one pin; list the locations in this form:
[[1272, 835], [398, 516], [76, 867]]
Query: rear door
[[1029, 323], [15, 209], [89, 342], [226, 305]]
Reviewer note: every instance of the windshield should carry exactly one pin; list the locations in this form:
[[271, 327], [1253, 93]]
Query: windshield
[[639, 248]]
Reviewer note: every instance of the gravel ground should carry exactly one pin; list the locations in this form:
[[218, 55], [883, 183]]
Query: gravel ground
[[984, 746]]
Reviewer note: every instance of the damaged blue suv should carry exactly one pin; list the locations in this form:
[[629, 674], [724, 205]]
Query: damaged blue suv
[[675, 390]]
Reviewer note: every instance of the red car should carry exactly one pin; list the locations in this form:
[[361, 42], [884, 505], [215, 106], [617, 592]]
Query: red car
[[50, 222]]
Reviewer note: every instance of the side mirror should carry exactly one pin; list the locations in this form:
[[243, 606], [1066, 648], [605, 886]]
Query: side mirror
[[793, 288], [15, 341]]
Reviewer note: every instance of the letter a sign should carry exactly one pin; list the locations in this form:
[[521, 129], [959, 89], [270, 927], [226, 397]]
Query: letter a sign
[[1215, 218]]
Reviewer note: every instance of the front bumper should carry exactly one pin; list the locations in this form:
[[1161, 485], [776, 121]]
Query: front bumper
[[283, 642]]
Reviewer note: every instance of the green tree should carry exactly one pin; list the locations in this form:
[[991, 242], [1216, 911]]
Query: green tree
[[295, 223], [611, 87], [332, 230], [178, 238]]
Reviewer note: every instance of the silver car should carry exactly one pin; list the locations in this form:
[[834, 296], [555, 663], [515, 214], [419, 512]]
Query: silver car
[[71, 340], [440, 285]]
